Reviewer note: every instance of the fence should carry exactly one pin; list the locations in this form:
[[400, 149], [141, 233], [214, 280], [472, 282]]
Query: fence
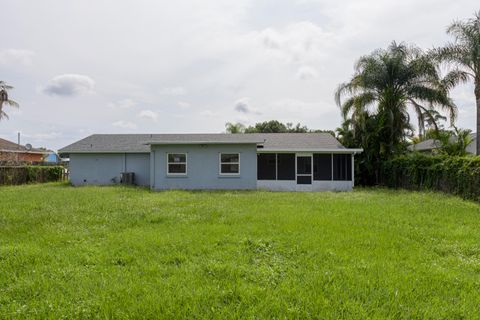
[[455, 175], [14, 175]]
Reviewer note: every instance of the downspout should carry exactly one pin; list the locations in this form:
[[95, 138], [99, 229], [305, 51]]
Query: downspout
[[353, 170], [477, 96], [331, 167], [18, 147], [152, 168]]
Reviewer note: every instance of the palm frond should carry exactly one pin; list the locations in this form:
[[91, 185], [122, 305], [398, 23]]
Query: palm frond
[[458, 55], [454, 78], [4, 99], [12, 103], [3, 115], [5, 86]]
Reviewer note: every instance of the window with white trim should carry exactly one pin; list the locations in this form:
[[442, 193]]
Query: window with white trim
[[229, 163], [177, 163]]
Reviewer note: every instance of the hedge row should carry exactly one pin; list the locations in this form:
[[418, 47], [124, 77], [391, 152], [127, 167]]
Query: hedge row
[[31, 174], [455, 175]]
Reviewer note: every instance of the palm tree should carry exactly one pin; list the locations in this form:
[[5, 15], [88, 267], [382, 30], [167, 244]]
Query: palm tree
[[464, 55], [387, 84], [4, 100], [454, 143], [430, 121]]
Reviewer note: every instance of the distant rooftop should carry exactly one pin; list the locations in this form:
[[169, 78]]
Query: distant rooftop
[[432, 144], [9, 146]]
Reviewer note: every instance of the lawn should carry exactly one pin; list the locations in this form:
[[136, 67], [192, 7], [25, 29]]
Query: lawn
[[115, 252]]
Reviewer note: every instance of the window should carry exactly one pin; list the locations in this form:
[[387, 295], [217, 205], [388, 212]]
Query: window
[[272, 166], [177, 163], [266, 166], [342, 167], [286, 166], [229, 163], [322, 166]]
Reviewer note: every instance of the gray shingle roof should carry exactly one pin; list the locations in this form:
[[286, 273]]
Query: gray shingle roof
[[298, 141], [432, 144], [425, 145], [132, 143]]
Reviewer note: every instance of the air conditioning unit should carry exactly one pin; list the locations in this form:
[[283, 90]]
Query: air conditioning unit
[[127, 178]]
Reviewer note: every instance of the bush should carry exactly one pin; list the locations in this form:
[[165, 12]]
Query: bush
[[30, 174], [452, 174]]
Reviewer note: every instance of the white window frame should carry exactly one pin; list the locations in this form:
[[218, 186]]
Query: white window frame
[[306, 155], [220, 164], [185, 163]]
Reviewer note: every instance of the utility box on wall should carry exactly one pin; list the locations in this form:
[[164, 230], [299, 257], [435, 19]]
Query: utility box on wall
[[128, 178]]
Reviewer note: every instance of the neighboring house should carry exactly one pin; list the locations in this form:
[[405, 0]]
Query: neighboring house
[[274, 161], [52, 158], [432, 145], [13, 152]]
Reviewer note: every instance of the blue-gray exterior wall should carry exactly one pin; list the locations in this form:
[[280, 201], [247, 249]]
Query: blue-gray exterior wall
[[140, 164], [203, 167], [106, 168]]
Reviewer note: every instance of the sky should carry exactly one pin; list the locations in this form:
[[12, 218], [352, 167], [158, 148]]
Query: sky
[[142, 66]]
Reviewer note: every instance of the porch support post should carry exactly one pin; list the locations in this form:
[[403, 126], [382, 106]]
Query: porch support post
[[353, 170]]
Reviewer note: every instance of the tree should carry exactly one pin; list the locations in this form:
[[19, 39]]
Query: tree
[[272, 126], [4, 99], [464, 55], [385, 85], [363, 132], [297, 129], [454, 143], [430, 121], [234, 127]]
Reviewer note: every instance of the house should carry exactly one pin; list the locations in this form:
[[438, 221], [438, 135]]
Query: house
[[11, 152], [274, 161], [432, 145], [52, 158]]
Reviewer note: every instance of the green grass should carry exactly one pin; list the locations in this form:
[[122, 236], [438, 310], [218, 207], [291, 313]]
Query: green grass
[[113, 252]]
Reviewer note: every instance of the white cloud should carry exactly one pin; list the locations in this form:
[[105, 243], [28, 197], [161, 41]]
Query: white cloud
[[69, 85], [122, 104], [209, 113], [243, 119], [124, 124], [173, 91], [306, 73], [148, 114], [183, 104], [298, 42], [42, 135], [16, 57], [271, 39]]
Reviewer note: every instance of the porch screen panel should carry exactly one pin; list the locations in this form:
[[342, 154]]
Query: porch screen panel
[[322, 166], [342, 167], [266, 166], [286, 166]]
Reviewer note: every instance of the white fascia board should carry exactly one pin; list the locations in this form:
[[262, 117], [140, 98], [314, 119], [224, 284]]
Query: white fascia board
[[324, 150], [111, 152]]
